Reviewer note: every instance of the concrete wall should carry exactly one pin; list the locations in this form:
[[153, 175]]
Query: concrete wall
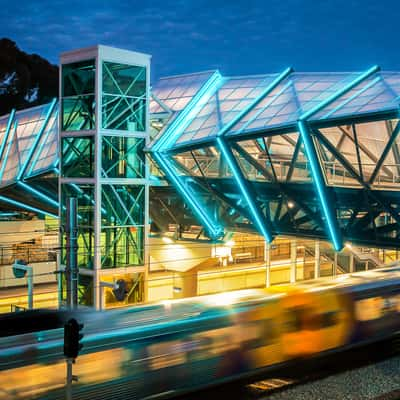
[[163, 285], [180, 256]]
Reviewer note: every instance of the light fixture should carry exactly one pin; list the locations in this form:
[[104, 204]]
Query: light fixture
[[167, 240], [230, 243]]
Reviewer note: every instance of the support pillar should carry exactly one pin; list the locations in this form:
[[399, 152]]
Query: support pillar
[[293, 260], [335, 264], [185, 284], [267, 260], [317, 260], [351, 267]]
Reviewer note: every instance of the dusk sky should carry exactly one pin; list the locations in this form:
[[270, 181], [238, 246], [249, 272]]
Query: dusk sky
[[237, 37]]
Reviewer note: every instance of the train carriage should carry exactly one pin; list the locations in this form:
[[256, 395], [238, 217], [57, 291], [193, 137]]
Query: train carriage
[[177, 346]]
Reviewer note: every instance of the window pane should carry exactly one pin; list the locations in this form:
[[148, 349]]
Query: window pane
[[124, 97], [123, 157], [77, 157]]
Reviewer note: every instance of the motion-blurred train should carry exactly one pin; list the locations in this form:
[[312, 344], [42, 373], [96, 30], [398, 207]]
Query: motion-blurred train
[[174, 347]]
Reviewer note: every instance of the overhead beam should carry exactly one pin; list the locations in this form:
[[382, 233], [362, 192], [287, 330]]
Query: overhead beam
[[328, 208], [213, 227], [261, 222]]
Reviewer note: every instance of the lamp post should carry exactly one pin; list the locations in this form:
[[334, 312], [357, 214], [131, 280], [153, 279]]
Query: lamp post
[[21, 270]]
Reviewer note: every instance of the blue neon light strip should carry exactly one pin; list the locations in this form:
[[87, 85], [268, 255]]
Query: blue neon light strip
[[259, 221], [180, 123], [317, 173], [264, 93], [26, 207], [336, 95], [333, 227], [7, 132], [35, 192], [5, 160], [37, 139], [213, 228], [351, 98]]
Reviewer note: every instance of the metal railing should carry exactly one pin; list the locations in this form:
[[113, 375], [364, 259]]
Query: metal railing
[[387, 176], [29, 254]]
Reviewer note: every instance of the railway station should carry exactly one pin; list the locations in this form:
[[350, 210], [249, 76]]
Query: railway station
[[253, 221], [199, 183]]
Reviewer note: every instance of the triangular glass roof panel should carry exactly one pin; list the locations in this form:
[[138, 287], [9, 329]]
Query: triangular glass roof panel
[[369, 96], [175, 92], [46, 154], [284, 105], [227, 103], [392, 79], [26, 126], [277, 108]]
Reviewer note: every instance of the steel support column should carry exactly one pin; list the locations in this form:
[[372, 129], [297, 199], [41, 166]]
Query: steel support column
[[259, 220], [319, 182]]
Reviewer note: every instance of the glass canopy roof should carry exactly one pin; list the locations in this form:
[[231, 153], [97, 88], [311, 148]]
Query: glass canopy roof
[[175, 92], [235, 107], [28, 143], [252, 104]]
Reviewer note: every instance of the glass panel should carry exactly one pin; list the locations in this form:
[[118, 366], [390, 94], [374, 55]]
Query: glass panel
[[122, 225], [85, 198], [85, 290], [206, 161], [78, 78], [78, 113], [176, 92], [23, 132], [124, 97], [122, 205], [78, 102], [227, 103], [254, 161], [371, 95], [122, 247], [77, 157], [371, 139], [46, 154], [123, 157]]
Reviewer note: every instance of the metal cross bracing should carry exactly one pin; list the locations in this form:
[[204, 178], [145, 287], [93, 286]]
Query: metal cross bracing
[[312, 155]]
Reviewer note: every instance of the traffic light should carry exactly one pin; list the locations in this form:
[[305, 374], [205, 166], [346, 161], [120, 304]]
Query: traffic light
[[72, 338]]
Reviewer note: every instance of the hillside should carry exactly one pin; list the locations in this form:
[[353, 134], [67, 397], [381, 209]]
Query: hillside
[[26, 80]]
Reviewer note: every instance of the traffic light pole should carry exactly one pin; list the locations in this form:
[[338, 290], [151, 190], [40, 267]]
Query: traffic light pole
[[72, 346], [70, 379], [71, 268]]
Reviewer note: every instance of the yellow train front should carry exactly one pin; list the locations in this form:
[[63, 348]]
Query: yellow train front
[[178, 346]]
